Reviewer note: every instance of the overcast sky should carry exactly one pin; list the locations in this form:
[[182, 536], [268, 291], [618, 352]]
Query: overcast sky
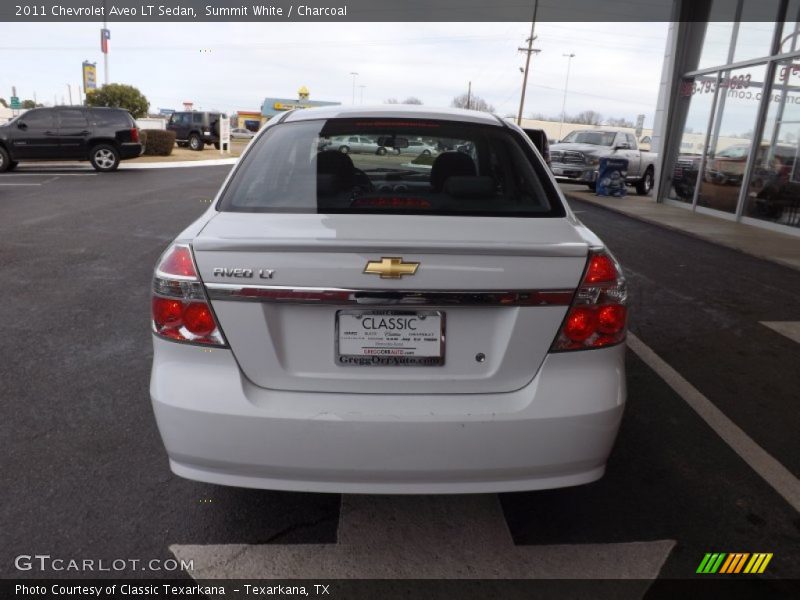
[[616, 69]]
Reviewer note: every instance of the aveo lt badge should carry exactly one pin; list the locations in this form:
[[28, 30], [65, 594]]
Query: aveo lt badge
[[391, 267]]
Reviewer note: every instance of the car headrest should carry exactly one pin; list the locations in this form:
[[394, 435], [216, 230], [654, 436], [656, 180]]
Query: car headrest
[[450, 164], [335, 171], [461, 186]]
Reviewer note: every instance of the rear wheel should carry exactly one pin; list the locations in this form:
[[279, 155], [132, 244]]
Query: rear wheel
[[645, 184], [592, 186], [104, 158], [344, 149], [195, 143], [5, 161], [12, 164], [216, 145], [381, 151]]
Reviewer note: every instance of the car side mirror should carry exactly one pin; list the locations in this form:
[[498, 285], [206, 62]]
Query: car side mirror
[[22, 126]]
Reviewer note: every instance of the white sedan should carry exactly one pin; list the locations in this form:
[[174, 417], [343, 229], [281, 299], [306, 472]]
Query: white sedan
[[240, 133], [335, 323]]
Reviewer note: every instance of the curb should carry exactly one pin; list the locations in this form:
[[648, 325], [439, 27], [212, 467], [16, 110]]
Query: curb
[[691, 234]]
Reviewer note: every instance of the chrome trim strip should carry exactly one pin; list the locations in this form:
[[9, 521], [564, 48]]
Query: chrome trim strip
[[377, 297]]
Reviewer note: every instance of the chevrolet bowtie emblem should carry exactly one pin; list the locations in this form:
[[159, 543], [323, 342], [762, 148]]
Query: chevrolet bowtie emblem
[[391, 267]]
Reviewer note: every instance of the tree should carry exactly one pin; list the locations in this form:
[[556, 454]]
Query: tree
[[26, 104], [620, 122], [119, 95], [3, 102], [391, 101], [587, 117], [475, 103], [412, 100]]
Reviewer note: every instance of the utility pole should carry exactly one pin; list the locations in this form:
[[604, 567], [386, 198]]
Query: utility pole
[[529, 50], [362, 93], [469, 94], [104, 37], [354, 74], [69, 91], [569, 56]]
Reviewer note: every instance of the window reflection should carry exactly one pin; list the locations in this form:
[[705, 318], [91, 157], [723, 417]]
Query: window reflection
[[740, 92], [774, 190], [699, 92]]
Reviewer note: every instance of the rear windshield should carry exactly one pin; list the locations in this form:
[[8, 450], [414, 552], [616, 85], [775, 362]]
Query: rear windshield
[[112, 118], [393, 166]]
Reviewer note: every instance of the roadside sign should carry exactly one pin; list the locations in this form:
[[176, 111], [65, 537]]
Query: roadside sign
[[224, 135], [89, 76], [15, 103]]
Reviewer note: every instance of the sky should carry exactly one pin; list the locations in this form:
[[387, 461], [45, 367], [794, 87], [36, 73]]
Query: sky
[[234, 66]]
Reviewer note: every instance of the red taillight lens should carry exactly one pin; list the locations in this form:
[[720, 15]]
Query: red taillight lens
[[134, 134], [167, 312], [198, 319], [601, 268], [611, 318], [581, 323], [181, 311], [177, 262], [597, 317]]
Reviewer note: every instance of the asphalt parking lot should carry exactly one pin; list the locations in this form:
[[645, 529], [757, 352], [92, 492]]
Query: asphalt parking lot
[[88, 477]]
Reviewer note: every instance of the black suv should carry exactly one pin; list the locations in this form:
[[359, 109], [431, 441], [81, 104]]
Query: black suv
[[195, 129], [103, 136]]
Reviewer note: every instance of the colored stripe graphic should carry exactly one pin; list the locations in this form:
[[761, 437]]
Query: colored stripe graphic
[[758, 563], [721, 562]]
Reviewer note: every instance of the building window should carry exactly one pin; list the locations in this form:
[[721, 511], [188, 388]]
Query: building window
[[774, 189]]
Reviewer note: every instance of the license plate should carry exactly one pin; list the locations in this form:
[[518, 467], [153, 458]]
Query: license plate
[[390, 338], [557, 171]]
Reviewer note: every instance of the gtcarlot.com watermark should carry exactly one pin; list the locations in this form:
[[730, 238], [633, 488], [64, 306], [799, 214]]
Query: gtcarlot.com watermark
[[47, 563]]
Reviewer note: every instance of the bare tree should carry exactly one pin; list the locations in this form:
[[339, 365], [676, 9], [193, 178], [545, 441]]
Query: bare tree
[[391, 101], [587, 117], [619, 122], [412, 100], [475, 103]]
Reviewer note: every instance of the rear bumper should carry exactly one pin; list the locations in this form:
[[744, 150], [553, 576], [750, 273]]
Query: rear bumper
[[131, 150], [219, 428]]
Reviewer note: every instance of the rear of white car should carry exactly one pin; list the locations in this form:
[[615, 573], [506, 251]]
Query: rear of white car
[[386, 326]]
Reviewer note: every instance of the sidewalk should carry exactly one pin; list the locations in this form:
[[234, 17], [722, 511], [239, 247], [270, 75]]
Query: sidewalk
[[763, 243]]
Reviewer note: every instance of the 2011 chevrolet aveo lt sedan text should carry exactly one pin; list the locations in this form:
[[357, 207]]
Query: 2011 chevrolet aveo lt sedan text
[[389, 323]]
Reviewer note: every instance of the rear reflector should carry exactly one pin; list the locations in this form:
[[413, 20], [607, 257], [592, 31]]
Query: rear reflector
[[598, 316], [180, 308]]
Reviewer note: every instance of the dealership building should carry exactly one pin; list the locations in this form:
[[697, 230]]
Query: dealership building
[[727, 125]]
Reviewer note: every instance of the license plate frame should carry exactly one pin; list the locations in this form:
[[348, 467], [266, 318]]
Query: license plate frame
[[398, 359]]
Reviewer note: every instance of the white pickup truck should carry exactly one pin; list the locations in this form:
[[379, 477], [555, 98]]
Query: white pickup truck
[[576, 158]]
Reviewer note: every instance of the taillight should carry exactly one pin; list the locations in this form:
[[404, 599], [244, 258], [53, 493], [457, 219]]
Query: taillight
[[597, 317], [134, 134], [180, 308]]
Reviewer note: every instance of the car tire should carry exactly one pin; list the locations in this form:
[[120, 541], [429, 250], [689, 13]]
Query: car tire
[[592, 186], [397, 151], [5, 160], [195, 143], [344, 149], [216, 145], [380, 151], [645, 184], [104, 158], [12, 164]]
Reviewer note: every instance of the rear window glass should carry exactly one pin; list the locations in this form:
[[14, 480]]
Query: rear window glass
[[112, 118], [394, 166]]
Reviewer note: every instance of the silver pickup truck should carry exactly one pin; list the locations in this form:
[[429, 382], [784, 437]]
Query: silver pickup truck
[[576, 158]]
